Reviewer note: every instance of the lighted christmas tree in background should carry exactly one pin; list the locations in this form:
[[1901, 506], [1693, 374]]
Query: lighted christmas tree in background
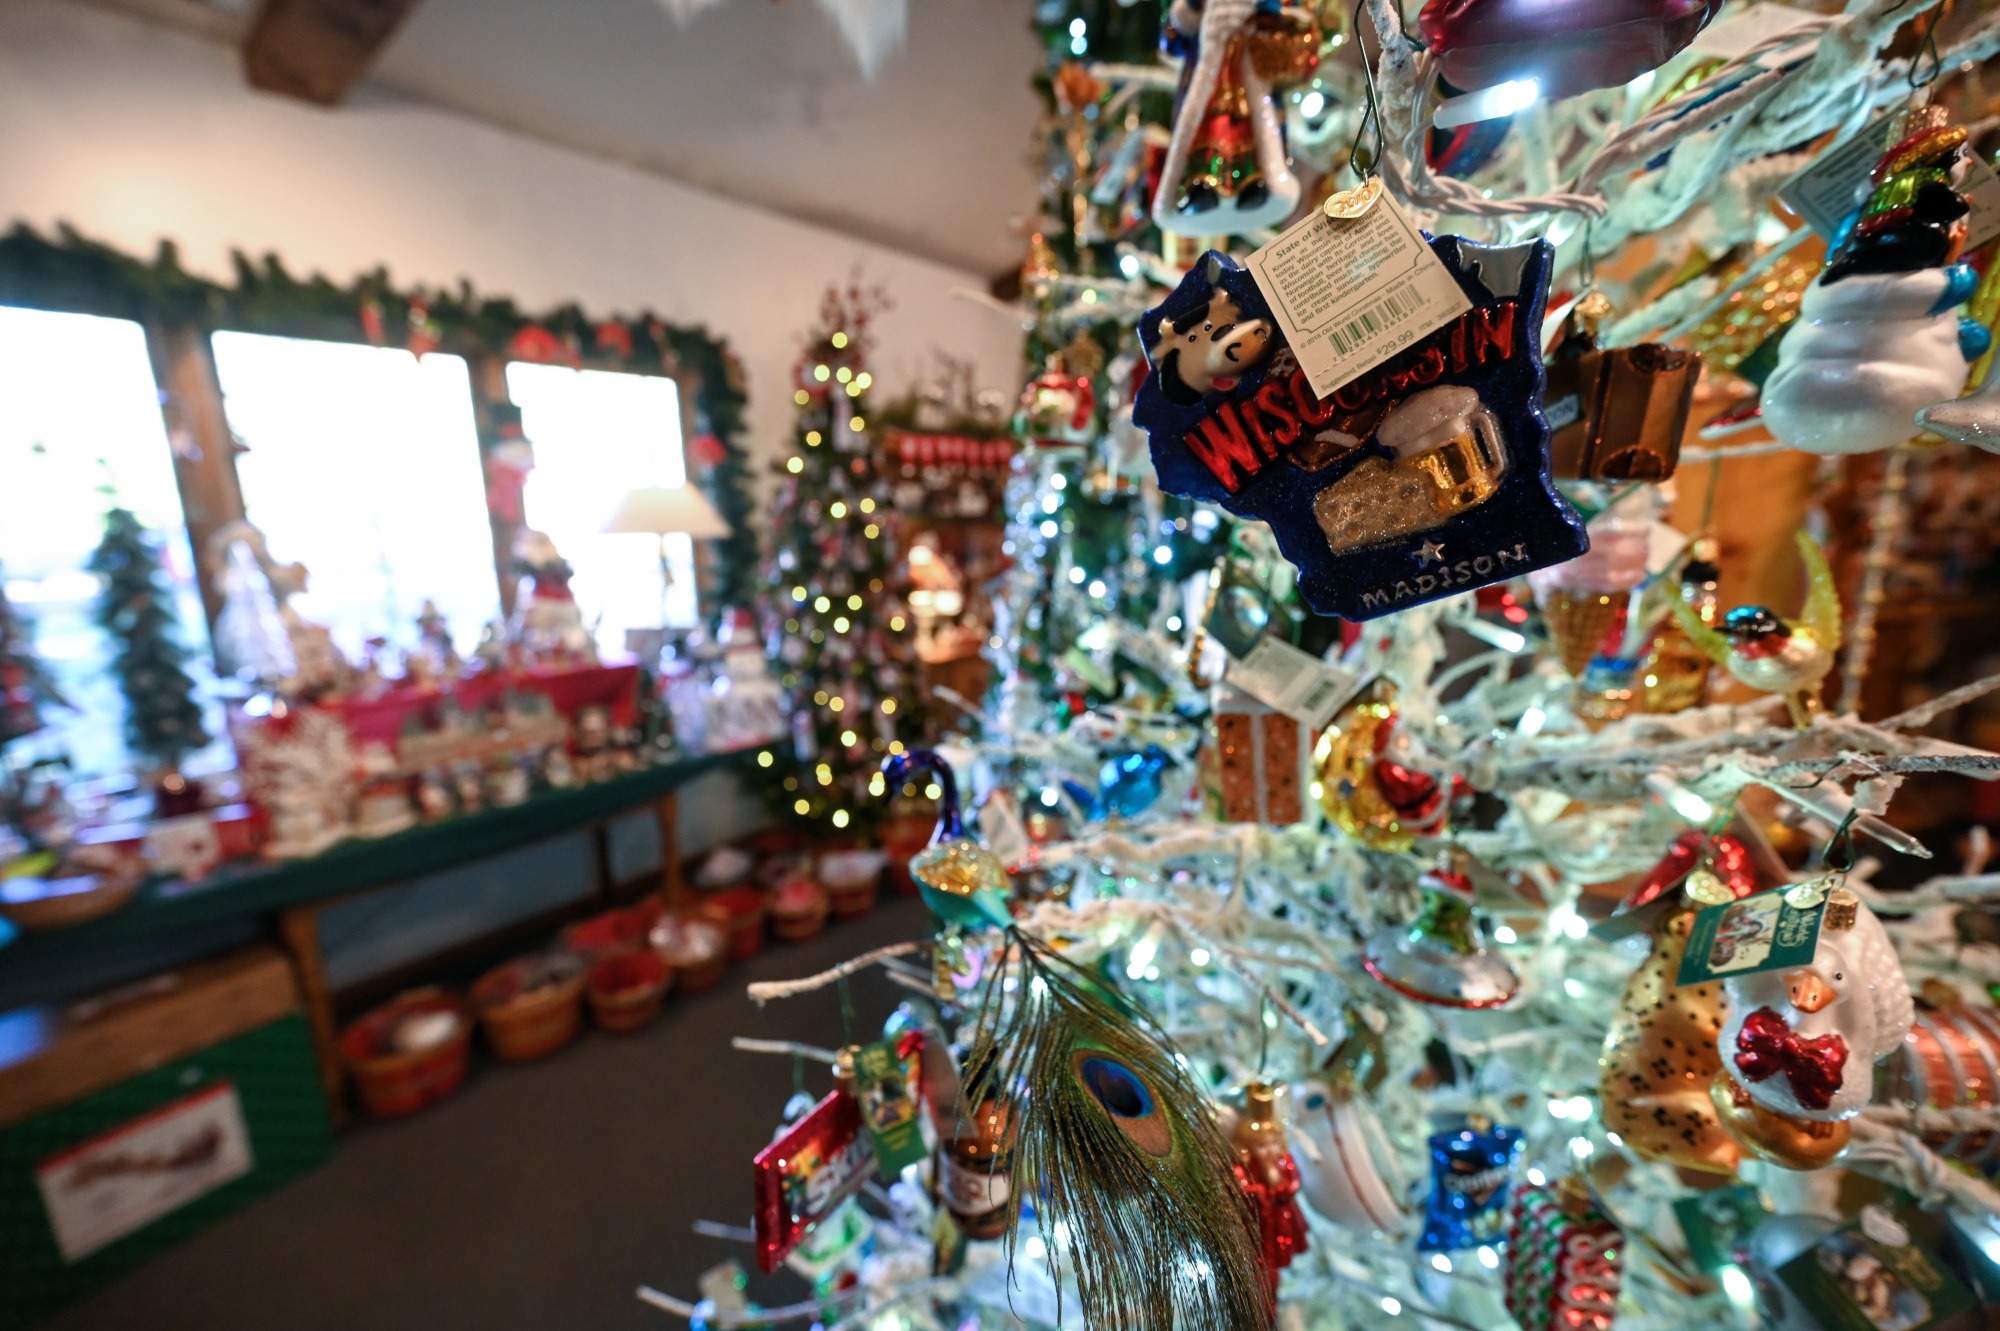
[[843, 634], [163, 721]]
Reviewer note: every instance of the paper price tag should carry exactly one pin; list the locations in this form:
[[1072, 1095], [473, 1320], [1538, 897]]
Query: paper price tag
[[1834, 186], [1296, 683], [1350, 293], [1765, 932]]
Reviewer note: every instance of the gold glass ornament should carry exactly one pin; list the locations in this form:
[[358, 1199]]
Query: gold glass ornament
[[1795, 1143], [1577, 621], [1371, 797], [1674, 675], [1660, 1059], [1757, 314]]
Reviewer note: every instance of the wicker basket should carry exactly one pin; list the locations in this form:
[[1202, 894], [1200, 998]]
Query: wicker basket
[[531, 1007], [391, 1082], [851, 879], [59, 903], [626, 989], [608, 932], [740, 911], [798, 910], [697, 949]]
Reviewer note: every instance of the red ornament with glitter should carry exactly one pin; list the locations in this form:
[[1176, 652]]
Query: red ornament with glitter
[[1270, 1177], [1565, 1259], [804, 1176]]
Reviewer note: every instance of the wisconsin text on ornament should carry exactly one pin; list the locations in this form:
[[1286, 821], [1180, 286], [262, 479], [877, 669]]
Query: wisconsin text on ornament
[[1239, 438]]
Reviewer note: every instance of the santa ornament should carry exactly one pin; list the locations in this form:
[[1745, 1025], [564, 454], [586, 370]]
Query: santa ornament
[[1876, 341], [1225, 171], [1270, 1178]]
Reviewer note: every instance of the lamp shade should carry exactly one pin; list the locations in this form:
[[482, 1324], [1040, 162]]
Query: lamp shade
[[664, 509]]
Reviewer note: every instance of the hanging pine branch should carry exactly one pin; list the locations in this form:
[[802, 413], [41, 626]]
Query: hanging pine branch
[[162, 719]]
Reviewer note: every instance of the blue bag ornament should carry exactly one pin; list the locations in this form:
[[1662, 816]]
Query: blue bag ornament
[[1471, 1168], [1424, 477]]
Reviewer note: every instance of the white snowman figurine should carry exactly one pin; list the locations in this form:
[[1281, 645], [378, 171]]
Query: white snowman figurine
[[1878, 339]]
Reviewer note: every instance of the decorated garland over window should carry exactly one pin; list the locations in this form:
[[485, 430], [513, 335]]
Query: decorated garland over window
[[75, 274]]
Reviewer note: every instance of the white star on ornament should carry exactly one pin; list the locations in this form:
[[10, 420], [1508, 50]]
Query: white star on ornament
[[1430, 552]]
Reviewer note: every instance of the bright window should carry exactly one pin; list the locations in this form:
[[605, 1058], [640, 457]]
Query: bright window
[[80, 427], [598, 436], [363, 464]]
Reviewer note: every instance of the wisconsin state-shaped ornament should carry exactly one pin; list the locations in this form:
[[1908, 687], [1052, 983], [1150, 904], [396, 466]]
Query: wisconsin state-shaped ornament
[[1424, 477]]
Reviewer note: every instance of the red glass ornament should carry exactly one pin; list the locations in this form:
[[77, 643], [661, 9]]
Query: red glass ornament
[[1728, 858], [1565, 46], [1270, 1178]]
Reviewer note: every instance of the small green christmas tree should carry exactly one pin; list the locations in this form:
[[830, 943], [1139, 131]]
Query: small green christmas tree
[[845, 639], [162, 718]]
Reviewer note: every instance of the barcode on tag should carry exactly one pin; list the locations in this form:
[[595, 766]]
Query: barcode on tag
[[1348, 293], [1387, 313], [1296, 683]]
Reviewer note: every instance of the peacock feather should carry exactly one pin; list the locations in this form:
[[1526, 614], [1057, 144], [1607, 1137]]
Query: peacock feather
[[1117, 1148]]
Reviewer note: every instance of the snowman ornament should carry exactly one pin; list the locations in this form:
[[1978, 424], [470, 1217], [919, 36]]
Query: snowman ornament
[[1804, 1042], [1877, 339]]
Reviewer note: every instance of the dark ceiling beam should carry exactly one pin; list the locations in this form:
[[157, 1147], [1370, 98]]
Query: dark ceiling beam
[[316, 50]]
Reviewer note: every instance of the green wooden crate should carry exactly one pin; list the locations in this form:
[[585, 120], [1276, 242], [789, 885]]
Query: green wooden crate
[[121, 1153]]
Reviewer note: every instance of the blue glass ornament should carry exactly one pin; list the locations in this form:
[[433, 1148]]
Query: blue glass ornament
[[1470, 1170], [1127, 785], [1423, 477]]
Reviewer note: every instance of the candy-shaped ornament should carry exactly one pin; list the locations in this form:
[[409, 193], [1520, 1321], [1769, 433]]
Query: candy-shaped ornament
[[1876, 340], [1426, 476], [1565, 1260], [1226, 172]]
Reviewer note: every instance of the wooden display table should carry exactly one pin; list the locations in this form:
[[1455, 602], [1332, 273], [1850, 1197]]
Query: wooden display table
[[285, 897]]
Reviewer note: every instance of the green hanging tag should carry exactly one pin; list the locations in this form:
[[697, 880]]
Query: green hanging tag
[[1766, 932], [882, 1085], [1716, 1222]]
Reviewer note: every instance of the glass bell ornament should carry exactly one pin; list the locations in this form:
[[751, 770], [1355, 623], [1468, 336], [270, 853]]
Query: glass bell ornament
[[1439, 957]]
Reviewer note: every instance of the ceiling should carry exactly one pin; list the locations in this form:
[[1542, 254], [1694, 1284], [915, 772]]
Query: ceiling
[[761, 101]]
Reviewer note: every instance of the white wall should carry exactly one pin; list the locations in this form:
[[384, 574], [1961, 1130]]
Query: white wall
[[133, 133]]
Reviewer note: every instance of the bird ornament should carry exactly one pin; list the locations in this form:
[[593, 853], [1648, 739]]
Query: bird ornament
[[1803, 1042], [1770, 653]]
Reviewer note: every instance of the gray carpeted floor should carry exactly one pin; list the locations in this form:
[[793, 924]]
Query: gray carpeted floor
[[541, 1196]]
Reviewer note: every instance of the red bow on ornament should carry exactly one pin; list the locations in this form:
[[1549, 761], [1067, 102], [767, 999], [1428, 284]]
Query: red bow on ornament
[[1767, 1047]]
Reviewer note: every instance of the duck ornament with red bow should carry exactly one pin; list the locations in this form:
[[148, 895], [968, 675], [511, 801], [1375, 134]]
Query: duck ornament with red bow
[[1803, 1042]]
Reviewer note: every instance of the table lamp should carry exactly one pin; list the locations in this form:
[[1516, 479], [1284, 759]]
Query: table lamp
[[664, 510]]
